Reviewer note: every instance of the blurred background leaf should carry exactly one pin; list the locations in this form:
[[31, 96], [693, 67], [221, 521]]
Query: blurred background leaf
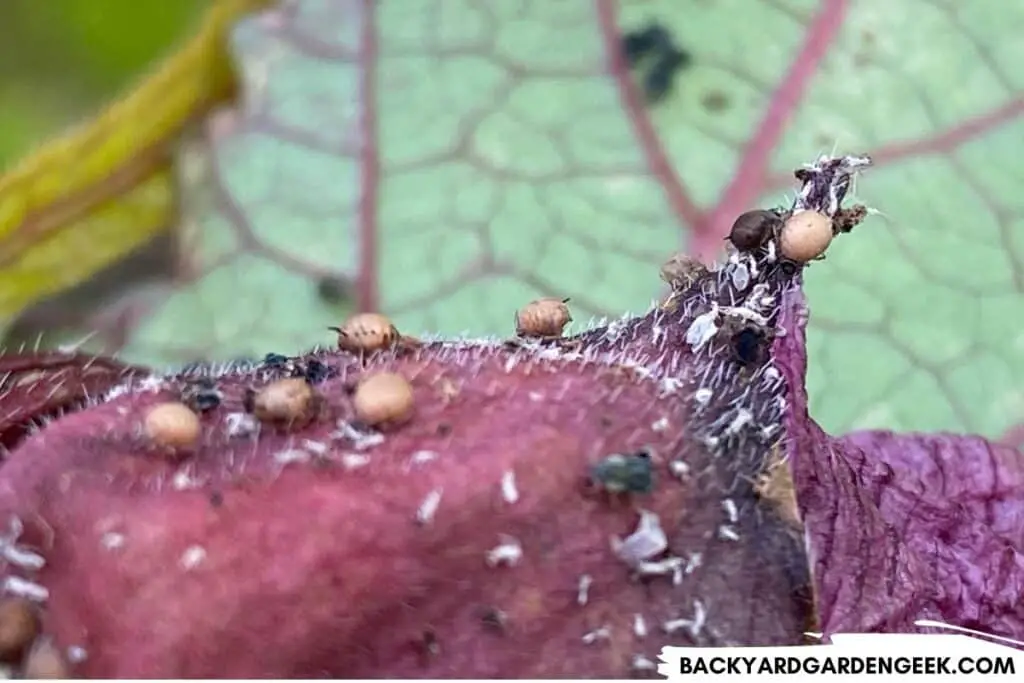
[[445, 162]]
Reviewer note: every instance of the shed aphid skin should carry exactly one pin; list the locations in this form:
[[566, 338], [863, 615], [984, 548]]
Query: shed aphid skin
[[728, 533], [428, 508], [22, 558], [681, 270], [694, 625], [19, 587], [543, 318], [507, 553], [509, 489], [642, 663], [639, 626], [598, 634], [583, 589], [366, 333], [647, 541]]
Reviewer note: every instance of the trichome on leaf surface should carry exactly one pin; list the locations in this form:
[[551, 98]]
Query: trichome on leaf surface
[[540, 506]]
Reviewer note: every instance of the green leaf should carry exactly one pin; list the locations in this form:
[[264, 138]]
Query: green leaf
[[455, 160]]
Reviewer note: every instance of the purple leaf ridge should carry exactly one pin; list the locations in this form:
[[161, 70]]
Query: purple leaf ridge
[[471, 540]]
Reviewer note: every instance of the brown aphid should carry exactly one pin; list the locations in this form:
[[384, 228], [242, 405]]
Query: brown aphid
[[366, 332], [19, 626], [753, 228], [383, 398], [286, 401], [543, 318], [805, 236], [173, 426], [681, 271], [44, 660]]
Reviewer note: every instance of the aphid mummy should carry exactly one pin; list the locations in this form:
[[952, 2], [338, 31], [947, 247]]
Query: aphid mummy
[[21, 588], [583, 589], [509, 490], [428, 508], [507, 553], [639, 626], [591, 637], [727, 533]]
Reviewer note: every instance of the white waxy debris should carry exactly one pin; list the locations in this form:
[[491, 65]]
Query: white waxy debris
[[77, 654], [694, 625], [730, 510], [583, 589], [745, 313], [772, 373], [661, 425], [428, 508], [509, 490], [423, 457], [694, 561], [710, 441], [21, 588], [536, 396], [670, 565], [360, 440], [702, 329], [112, 540], [703, 395], [241, 424], [19, 557], [192, 557], [727, 533], [314, 447], [591, 637], [742, 419], [670, 385], [740, 276], [507, 553], [291, 455], [769, 431], [646, 542], [679, 469], [639, 626], [353, 461], [183, 481], [642, 663], [771, 256], [150, 384]]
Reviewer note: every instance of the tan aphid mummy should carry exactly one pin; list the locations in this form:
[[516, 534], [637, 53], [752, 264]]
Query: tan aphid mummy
[[805, 236], [367, 332], [285, 400], [543, 318], [44, 660], [383, 398], [172, 425], [19, 626], [681, 270]]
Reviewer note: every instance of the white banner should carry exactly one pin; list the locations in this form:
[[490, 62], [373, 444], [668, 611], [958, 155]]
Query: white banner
[[854, 657]]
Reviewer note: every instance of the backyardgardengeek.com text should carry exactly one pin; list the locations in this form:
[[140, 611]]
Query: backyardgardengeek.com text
[[847, 665]]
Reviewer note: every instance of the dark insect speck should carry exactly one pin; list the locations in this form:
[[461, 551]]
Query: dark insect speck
[[748, 345], [753, 228], [275, 360], [661, 77], [202, 395], [625, 473], [653, 39], [316, 371], [249, 400], [334, 289]]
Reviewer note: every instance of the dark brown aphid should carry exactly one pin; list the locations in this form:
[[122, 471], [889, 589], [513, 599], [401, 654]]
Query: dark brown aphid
[[202, 395], [753, 228], [19, 626], [545, 318]]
